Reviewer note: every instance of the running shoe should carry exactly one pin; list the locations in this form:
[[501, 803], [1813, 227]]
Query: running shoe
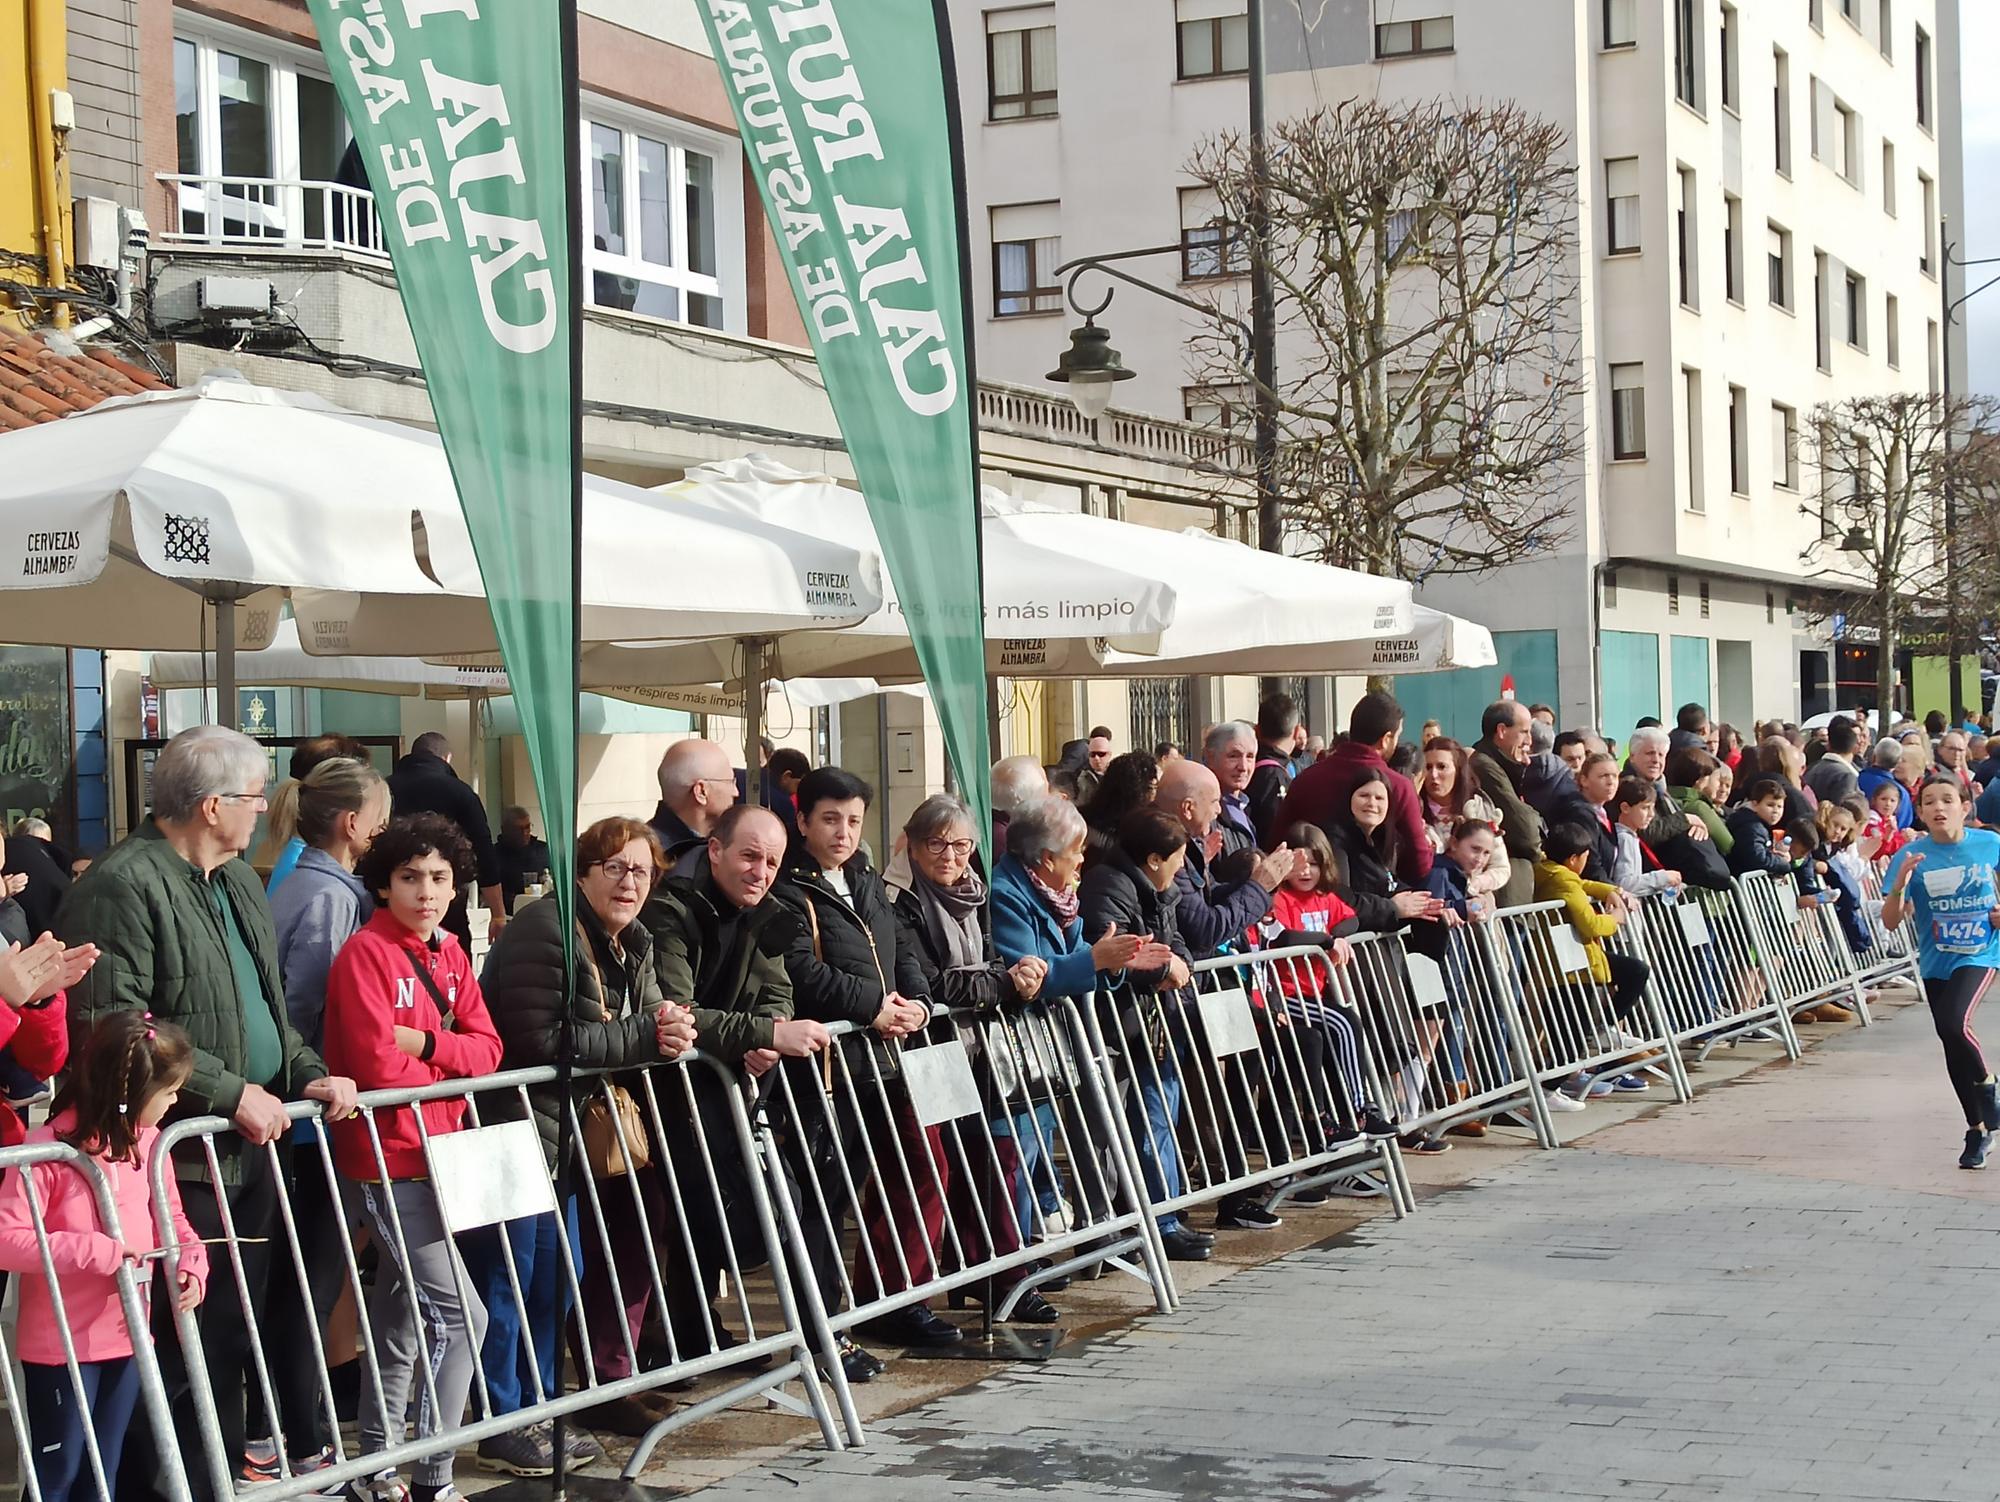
[[1989, 1105], [1561, 1100], [1977, 1140], [260, 1461], [1631, 1084], [519, 1452], [383, 1486]]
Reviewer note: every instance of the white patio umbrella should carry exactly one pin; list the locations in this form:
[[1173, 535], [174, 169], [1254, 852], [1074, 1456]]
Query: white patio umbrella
[[1053, 599], [1434, 643], [286, 664]]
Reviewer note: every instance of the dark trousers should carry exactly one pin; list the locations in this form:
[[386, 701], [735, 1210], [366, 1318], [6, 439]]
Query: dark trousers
[[273, 1292], [58, 1412], [1954, 1000], [1628, 983]]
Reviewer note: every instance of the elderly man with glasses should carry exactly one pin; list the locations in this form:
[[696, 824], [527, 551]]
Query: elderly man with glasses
[[186, 935], [697, 787]]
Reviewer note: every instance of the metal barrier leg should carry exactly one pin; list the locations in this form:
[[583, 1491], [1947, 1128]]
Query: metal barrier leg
[[1663, 1026], [1096, 1080], [788, 1218]]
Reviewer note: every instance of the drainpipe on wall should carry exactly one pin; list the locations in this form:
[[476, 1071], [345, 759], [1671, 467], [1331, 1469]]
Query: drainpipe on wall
[[48, 77]]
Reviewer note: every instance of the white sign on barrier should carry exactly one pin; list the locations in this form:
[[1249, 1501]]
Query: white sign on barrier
[[488, 1174], [1227, 1022], [939, 1079], [1426, 981], [1694, 923], [1571, 956]]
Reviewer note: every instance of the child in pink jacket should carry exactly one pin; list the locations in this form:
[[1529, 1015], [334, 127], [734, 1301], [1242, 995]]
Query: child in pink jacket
[[130, 1075]]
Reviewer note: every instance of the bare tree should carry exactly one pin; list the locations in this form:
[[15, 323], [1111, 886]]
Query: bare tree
[[1423, 261], [1908, 511]]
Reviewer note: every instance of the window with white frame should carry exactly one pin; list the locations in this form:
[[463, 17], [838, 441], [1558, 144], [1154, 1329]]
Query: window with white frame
[[1021, 62], [1927, 194], [1889, 177], [1211, 38], [1732, 83], [1621, 197], [654, 221], [249, 108], [1732, 248], [1628, 411], [1892, 331], [1784, 446], [1781, 109], [1923, 78], [1779, 266], [1027, 248], [1739, 441], [1857, 310], [1211, 246]]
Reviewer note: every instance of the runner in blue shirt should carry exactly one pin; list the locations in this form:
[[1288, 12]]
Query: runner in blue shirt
[[1946, 880]]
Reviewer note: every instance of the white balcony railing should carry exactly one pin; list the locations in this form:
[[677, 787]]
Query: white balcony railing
[[270, 212]]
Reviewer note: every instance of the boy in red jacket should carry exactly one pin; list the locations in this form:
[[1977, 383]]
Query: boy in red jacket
[[403, 1010]]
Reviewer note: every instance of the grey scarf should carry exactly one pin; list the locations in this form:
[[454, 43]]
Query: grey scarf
[[951, 917]]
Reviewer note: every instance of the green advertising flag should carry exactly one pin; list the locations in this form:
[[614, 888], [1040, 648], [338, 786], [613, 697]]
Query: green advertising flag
[[849, 121], [460, 114]]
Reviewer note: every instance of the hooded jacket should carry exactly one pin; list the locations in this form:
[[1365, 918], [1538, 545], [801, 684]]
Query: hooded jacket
[[373, 989]]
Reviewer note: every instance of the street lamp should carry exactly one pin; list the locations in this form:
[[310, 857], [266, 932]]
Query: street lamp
[[1090, 367], [1954, 663], [1856, 541]]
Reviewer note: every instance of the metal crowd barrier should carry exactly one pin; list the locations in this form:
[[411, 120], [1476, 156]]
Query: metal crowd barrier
[[980, 1159], [93, 1477], [1576, 1032], [1894, 954], [1805, 954], [655, 1238], [1704, 969], [1444, 1031], [1227, 1090]]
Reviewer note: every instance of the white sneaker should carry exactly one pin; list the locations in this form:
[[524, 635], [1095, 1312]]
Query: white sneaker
[[1557, 1101]]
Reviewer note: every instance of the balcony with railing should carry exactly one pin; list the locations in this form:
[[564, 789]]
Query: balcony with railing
[[270, 213], [259, 217]]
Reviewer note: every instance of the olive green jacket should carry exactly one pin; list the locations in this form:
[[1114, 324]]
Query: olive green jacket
[[738, 990], [162, 950]]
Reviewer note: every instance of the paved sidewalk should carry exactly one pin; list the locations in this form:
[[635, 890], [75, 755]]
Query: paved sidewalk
[[1764, 1295]]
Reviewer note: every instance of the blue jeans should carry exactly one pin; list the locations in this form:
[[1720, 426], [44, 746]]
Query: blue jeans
[[1034, 1135], [513, 1359], [1153, 1107], [57, 1414]]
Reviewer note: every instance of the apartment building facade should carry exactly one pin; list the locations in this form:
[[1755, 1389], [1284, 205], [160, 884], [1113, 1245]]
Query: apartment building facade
[[1763, 191]]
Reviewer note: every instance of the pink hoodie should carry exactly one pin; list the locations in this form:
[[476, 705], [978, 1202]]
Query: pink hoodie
[[86, 1257]]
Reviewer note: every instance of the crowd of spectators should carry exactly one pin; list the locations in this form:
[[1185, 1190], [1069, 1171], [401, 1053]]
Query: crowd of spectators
[[754, 933]]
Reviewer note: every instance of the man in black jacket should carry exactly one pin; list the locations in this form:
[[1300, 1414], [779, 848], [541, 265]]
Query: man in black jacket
[[1278, 740], [424, 783], [33, 853], [1211, 914], [697, 787], [846, 966]]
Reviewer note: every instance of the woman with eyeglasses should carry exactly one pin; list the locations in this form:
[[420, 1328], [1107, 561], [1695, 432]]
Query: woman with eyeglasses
[[620, 1021], [941, 923]]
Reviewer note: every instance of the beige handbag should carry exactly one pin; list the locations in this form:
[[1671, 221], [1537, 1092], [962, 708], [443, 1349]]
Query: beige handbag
[[614, 1128]]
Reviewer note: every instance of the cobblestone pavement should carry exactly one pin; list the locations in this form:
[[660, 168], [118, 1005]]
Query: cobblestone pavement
[[1746, 1298]]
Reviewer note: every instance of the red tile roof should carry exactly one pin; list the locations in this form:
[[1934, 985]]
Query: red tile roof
[[39, 385]]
